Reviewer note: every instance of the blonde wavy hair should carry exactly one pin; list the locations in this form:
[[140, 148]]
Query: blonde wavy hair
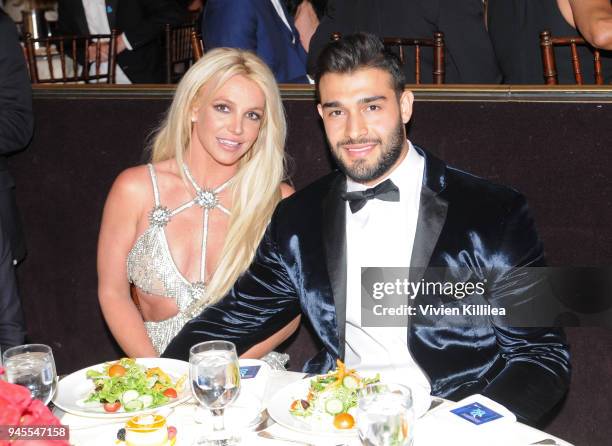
[[256, 186]]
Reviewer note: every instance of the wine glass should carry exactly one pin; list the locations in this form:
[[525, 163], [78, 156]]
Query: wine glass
[[215, 382], [32, 366], [385, 415]]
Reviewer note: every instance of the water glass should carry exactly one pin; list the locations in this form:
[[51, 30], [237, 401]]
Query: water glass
[[385, 415], [32, 366], [215, 382]]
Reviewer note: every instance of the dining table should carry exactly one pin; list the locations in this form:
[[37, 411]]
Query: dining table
[[432, 429]]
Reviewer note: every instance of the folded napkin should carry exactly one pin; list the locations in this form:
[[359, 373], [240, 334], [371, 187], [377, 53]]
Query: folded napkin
[[254, 378], [475, 420]]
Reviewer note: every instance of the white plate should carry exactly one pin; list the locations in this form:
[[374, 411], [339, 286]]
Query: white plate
[[278, 408], [74, 388]]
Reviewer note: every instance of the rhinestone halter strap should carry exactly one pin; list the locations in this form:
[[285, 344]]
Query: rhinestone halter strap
[[208, 200]]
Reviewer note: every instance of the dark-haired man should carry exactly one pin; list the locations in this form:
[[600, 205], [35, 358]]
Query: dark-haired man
[[391, 204]]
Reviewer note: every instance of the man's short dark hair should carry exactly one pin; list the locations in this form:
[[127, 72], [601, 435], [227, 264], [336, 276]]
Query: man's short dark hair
[[356, 51]]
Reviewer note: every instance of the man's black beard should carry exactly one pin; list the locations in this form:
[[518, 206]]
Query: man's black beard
[[390, 153]]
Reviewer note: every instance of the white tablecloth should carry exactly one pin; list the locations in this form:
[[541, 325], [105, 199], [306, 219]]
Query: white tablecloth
[[429, 430]]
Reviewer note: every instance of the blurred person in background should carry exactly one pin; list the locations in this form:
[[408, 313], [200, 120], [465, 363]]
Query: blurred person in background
[[515, 27], [469, 55], [12, 326], [262, 26], [16, 127], [139, 25]]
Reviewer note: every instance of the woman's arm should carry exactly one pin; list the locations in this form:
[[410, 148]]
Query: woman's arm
[[265, 347], [593, 18], [117, 235]]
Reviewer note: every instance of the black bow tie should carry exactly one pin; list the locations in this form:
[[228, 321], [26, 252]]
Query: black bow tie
[[386, 191]]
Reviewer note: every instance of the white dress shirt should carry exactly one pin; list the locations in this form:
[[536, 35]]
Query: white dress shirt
[[97, 22], [381, 234]]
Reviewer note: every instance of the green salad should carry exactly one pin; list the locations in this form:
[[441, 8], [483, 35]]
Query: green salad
[[332, 398], [130, 386]]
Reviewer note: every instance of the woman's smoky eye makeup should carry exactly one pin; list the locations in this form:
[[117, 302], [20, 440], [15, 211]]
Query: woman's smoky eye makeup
[[221, 107], [254, 116]]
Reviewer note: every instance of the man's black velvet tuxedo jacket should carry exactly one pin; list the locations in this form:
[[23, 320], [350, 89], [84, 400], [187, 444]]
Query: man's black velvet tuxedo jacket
[[463, 222]]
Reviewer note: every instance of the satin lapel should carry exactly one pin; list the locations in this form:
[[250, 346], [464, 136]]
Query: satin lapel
[[334, 240], [431, 219], [111, 13]]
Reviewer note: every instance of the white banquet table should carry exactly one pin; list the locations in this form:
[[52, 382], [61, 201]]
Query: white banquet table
[[428, 431]]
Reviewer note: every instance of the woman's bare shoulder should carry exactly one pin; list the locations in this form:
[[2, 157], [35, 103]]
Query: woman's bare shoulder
[[132, 182], [136, 181]]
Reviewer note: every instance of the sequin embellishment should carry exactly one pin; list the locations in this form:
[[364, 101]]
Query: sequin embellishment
[[159, 216]]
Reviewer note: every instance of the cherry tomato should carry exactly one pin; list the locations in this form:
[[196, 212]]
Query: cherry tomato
[[116, 370], [171, 432], [344, 421], [170, 393], [112, 407]]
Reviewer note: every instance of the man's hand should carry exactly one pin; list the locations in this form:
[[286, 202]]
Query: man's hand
[[306, 22], [120, 43], [104, 49]]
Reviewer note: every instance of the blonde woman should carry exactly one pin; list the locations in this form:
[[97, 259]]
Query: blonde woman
[[178, 232]]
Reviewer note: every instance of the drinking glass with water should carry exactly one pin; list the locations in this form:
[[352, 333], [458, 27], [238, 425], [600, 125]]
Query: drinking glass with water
[[215, 382], [385, 415], [32, 366]]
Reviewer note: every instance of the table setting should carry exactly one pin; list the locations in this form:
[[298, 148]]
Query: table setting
[[218, 399]]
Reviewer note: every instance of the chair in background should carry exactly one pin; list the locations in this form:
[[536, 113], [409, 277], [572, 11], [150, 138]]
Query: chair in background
[[60, 59], [179, 55], [547, 44], [197, 46], [437, 44]]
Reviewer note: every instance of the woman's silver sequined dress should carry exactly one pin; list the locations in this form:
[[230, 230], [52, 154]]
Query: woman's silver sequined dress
[[150, 266]]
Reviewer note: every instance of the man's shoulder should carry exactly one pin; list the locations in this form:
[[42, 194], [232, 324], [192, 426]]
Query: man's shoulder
[[306, 202], [477, 194], [314, 191], [456, 184], [458, 178]]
